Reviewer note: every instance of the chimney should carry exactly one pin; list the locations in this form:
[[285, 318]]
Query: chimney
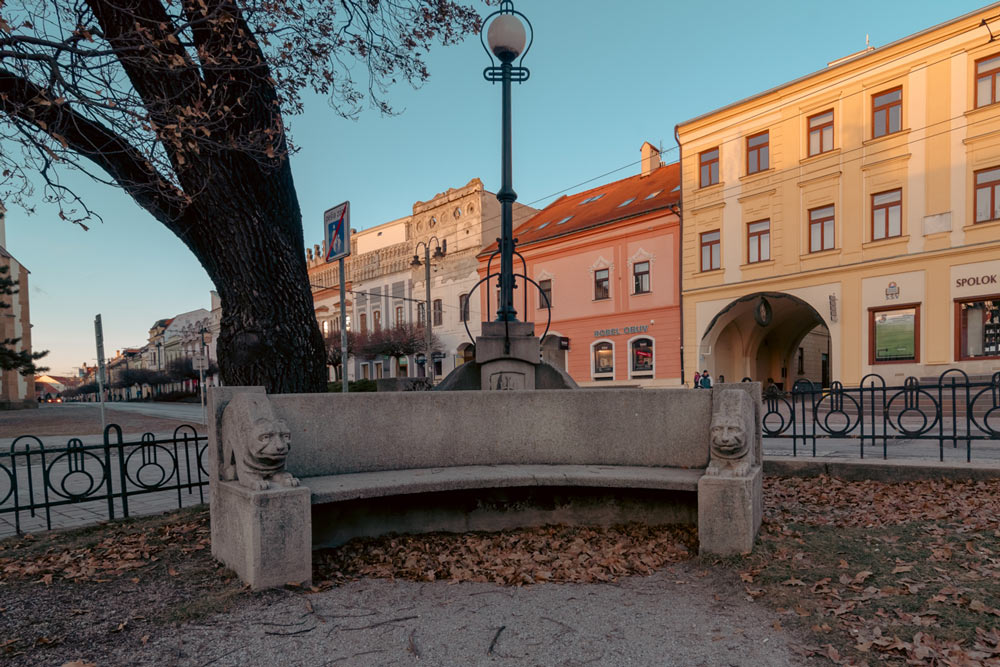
[[650, 158]]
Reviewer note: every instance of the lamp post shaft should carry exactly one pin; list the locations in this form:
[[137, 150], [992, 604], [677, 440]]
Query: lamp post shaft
[[428, 353], [506, 196]]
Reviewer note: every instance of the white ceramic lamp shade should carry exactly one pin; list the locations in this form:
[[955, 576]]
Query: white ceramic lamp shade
[[506, 37]]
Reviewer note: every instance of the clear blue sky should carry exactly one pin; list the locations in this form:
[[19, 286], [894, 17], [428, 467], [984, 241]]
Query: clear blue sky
[[604, 78]]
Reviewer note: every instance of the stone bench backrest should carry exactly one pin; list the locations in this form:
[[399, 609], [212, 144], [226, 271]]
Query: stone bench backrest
[[338, 434]]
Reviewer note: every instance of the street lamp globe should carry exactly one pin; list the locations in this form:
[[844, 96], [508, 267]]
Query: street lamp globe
[[506, 37]]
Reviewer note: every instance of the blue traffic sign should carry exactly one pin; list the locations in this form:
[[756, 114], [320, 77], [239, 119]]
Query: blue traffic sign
[[337, 223]]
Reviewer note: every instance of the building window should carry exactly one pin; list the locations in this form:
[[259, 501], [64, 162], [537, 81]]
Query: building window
[[399, 315], [887, 112], [821, 133], [545, 298], [802, 361], [377, 320], [642, 357], [326, 327], [759, 241], [604, 359], [602, 284], [988, 195], [463, 307], [987, 71], [438, 312], [977, 328], [363, 320], [709, 167], [894, 334], [887, 214], [821, 229], [421, 313], [640, 278], [758, 158], [710, 251]]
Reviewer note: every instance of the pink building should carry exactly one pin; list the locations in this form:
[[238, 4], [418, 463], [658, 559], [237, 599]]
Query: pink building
[[608, 260]]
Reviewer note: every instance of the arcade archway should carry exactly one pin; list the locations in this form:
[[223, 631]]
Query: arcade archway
[[768, 336]]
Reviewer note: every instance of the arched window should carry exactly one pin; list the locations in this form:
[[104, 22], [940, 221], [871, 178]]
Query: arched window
[[642, 357], [604, 361]]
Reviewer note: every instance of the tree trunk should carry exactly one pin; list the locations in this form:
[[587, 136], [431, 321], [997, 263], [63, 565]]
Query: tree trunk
[[248, 236]]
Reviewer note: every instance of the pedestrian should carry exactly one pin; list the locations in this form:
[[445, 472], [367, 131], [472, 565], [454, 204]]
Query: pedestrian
[[697, 379], [706, 380]]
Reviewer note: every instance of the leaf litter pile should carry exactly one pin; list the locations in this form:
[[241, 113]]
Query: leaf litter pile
[[876, 573], [513, 557]]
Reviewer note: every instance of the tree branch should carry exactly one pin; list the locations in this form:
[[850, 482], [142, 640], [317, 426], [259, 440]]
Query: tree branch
[[23, 99]]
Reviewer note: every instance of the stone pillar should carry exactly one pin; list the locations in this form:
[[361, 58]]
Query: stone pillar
[[261, 518], [263, 536], [730, 493]]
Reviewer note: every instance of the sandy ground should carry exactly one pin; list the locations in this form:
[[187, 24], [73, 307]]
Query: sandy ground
[[682, 615]]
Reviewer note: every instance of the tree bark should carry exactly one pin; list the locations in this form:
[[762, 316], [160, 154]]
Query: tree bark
[[246, 230]]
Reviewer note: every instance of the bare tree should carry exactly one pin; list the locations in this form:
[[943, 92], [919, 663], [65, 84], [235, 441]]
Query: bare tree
[[181, 103]]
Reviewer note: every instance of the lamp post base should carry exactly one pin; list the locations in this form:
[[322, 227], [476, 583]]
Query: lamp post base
[[508, 357]]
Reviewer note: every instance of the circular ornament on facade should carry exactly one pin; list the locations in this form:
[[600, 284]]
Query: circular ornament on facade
[[470, 208], [420, 226], [458, 213], [433, 222], [762, 312]]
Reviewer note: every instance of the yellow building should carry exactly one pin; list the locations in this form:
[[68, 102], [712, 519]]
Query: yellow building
[[851, 215]]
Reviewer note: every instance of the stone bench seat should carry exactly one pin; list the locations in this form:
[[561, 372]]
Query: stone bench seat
[[362, 485], [296, 472]]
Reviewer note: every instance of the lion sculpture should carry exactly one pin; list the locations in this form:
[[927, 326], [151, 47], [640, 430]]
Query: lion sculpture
[[255, 444], [732, 430]]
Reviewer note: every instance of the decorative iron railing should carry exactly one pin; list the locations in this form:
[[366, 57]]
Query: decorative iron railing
[[36, 478], [953, 410]]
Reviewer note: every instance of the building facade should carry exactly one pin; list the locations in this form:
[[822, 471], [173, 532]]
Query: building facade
[[465, 220], [606, 266], [385, 289], [16, 391], [848, 222]]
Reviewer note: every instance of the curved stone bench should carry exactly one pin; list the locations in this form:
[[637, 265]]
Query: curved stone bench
[[371, 464]]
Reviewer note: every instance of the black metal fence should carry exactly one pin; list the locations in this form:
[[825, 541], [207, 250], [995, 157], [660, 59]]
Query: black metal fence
[[36, 478], [953, 410]]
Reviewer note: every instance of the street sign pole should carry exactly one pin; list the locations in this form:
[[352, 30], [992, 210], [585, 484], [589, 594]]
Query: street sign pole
[[99, 334], [343, 330], [337, 233]]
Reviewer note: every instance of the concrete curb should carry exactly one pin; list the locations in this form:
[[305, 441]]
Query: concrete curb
[[879, 470]]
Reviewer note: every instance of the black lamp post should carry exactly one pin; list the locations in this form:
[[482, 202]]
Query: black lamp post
[[439, 250], [506, 36]]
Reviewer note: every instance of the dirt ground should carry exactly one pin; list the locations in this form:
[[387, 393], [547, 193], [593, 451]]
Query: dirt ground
[[77, 420], [857, 573]]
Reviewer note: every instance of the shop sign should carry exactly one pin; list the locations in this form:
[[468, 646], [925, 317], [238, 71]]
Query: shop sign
[[892, 291], [624, 331], [976, 281]]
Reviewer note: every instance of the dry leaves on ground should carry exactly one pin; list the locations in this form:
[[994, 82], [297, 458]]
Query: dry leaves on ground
[[877, 572], [114, 551], [515, 557]]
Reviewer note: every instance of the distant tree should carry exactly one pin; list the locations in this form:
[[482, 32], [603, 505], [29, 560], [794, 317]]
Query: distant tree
[[399, 341], [12, 359], [183, 105], [333, 347]]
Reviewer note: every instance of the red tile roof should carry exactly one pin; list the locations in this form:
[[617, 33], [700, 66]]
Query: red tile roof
[[606, 203]]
